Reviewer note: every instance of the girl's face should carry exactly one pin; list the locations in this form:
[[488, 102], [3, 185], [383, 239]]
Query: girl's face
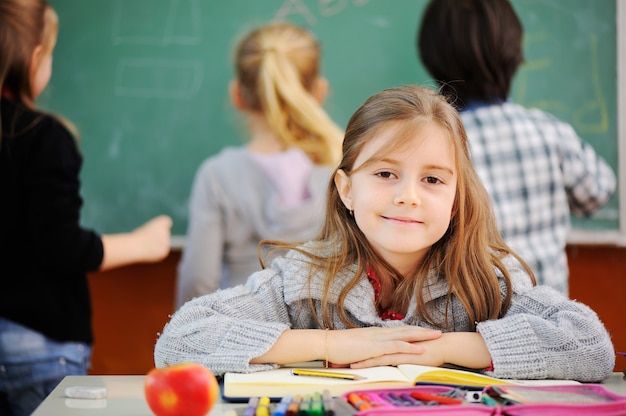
[[403, 203]]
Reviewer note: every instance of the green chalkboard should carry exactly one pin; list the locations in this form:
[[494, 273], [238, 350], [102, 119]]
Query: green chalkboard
[[145, 82]]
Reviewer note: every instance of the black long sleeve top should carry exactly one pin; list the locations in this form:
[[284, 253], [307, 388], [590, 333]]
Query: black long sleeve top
[[45, 254]]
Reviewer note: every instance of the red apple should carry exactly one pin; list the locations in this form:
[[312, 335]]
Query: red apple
[[187, 389]]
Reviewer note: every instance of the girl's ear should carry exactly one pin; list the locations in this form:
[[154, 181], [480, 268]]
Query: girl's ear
[[344, 188], [320, 89], [234, 90], [35, 60]]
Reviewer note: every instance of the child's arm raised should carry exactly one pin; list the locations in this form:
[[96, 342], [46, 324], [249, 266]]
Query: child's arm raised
[[147, 243]]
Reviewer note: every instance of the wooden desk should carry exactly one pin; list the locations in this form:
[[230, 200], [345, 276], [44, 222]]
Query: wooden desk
[[125, 397]]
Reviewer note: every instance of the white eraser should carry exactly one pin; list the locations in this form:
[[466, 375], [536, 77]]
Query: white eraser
[[86, 392]]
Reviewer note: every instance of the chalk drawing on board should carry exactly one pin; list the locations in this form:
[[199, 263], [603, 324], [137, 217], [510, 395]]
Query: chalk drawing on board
[[598, 104], [326, 8], [142, 22], [291, 7], [590, 117], [529, 65], [158, 78], [334, 7], [113, 150]]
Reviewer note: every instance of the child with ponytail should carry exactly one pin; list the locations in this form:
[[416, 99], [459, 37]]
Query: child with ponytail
[[274, 187]]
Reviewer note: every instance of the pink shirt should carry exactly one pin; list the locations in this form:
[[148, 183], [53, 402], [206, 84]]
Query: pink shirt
[[289, 172]]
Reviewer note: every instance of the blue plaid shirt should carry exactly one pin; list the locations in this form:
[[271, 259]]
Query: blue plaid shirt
[[537, 172]]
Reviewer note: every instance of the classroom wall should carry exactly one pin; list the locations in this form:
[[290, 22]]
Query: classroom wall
[[131, 305]]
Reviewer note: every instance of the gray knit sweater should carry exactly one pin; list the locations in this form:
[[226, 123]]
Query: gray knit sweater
[[543, 334]]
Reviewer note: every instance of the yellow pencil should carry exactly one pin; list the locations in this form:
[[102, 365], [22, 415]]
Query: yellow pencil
[[324, 373]]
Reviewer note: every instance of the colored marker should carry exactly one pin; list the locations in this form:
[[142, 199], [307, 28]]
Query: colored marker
[[376, 400], [263, 408], [251, 409], [428, 397], [488, 400], [329, 403], [397, 400], [305, 406], [294, 406], [282, 406], [410, 401], [317, 405], [357, 402]]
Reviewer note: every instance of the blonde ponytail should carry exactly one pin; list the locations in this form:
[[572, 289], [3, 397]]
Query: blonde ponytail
[[277, 68]]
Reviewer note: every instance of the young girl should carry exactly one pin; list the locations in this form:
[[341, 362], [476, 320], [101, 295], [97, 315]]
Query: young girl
[[45, 309], [275, 186], [409, 268]]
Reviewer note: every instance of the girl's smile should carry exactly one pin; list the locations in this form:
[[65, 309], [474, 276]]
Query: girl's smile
[[402, 220]]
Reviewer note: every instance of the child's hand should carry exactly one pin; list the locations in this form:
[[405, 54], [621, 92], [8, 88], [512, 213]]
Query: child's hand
[[148, 243], [367, 347], [431, 353], [154, 238], [467, 349]]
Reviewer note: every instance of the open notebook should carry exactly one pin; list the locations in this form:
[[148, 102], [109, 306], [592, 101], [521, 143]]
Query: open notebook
[[281, 382]]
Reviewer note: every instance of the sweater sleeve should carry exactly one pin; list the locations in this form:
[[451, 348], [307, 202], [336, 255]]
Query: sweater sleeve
[[52, 186], [199, 271], [224, 330], [545, 335]]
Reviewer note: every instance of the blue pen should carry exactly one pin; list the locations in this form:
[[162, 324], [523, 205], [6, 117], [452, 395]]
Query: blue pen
[[282, 406]]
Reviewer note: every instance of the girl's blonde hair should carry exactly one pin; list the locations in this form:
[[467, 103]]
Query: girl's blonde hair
[[277, 66], [467, 255]]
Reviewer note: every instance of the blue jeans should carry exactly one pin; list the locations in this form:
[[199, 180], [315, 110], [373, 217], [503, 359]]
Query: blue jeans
[[32, 365]]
